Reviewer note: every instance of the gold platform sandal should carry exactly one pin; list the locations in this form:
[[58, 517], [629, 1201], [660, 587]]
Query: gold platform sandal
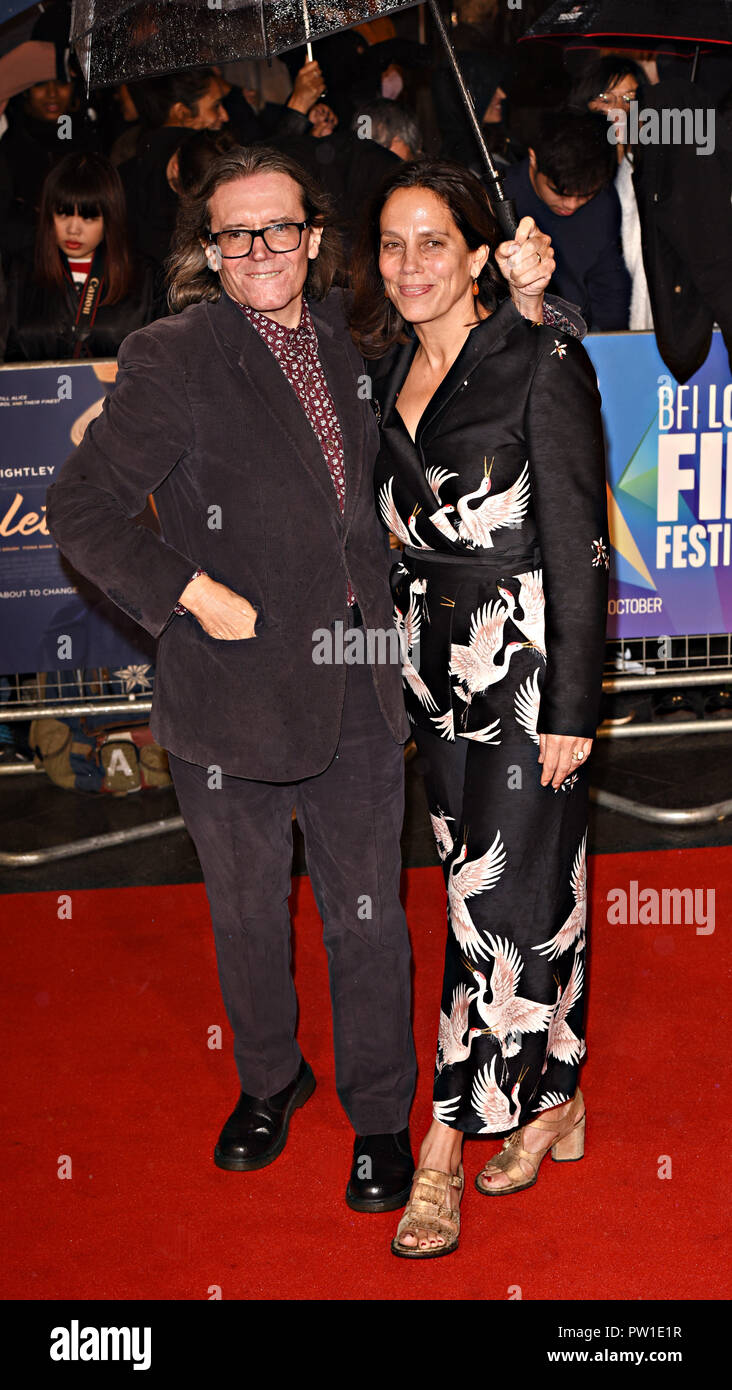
[[429, 1209], [567, 1147]]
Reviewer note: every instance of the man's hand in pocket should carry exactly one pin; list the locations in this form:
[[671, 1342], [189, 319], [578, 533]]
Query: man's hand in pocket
[[220, 611]]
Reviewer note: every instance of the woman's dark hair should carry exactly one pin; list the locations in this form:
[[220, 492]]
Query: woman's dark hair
[[90, 183], [375, 323], [188, 274], [599, 75], [154, 97]]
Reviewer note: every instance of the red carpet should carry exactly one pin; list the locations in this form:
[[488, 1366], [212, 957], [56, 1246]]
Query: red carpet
[[107, 1018]]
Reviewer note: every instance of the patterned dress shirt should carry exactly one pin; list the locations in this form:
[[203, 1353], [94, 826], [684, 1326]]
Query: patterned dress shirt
[[296, 350]]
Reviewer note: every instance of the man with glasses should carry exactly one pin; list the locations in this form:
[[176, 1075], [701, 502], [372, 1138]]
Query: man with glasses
[[247, 415]]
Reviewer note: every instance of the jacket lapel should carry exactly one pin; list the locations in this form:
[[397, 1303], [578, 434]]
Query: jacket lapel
[[397, 375], [336, 356], [487, 337], [407, 454]]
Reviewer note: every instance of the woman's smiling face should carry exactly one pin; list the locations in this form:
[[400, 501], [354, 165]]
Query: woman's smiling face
[[426, 264]]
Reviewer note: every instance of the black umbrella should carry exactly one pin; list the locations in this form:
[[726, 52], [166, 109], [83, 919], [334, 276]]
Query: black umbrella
[[645, 21], [123, 40]]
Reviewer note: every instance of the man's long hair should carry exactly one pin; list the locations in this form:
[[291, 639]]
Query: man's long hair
[[188, 275]]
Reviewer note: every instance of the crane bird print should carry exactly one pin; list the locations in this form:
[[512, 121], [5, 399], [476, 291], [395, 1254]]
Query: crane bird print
[[408, 626], [442, 833], [466, 880], [507, 1014], [475, 664], [563, 1043], [490, 1103], [531, 602], [495, 510], [450, 1045], [574, 926]]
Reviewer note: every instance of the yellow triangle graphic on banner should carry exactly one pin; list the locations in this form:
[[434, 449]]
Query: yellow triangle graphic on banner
[[622, 539]]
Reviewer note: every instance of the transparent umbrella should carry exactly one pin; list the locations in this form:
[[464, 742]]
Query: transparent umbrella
[[116, 41]]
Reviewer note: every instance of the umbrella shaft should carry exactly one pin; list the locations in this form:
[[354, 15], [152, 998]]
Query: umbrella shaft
[[465, 94]]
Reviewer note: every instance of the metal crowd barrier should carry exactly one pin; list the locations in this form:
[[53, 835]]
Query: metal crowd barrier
[[640, 665], [647, 665], [56, 695]]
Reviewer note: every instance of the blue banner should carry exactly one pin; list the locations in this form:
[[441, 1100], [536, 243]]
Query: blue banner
[[44, 411], [669, 460]]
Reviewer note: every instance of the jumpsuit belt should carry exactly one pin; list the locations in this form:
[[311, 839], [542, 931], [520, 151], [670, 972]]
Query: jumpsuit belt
[[477, 567]]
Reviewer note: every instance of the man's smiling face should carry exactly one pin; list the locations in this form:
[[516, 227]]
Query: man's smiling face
[[271, 282]]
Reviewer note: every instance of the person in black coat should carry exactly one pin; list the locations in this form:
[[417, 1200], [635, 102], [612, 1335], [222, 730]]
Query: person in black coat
[[82, 291], [245, 413], [684, 192], [491, 473], [349, 168], [487, 77], [30, 148]]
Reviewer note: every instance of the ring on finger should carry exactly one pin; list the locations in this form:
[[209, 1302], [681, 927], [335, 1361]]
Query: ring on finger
[[578, 754]]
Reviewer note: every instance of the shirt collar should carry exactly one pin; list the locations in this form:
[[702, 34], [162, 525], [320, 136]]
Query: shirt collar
[[302, 336]]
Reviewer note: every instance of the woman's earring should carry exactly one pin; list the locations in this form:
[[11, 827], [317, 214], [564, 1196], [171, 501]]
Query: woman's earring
[[386, 294], [214, 257], [476, 289]]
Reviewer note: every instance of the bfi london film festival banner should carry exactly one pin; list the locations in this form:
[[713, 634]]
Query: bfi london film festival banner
[[669, 457], [44, 410], [669, 463]]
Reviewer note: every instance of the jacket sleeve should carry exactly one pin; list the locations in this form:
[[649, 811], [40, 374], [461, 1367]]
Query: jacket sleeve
[[145, 428], [567, 469], [607, 281], [559, 313]]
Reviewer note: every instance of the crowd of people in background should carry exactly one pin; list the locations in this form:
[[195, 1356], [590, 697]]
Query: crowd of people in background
[[102, 190]]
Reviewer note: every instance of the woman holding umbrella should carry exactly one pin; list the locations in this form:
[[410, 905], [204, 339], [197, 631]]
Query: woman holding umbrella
[[491, 473]]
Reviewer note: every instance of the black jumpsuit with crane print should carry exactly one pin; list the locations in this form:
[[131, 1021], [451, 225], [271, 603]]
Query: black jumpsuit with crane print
[[500, 599]]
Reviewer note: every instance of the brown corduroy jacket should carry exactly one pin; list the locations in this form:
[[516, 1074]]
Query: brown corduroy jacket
[[203, 418]]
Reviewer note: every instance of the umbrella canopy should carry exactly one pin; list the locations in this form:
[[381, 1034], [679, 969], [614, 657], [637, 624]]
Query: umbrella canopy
[[117, 41], [30, 62], [697, 21]]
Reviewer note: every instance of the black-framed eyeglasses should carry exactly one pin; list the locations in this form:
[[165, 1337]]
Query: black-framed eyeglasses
[[277, 237]]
